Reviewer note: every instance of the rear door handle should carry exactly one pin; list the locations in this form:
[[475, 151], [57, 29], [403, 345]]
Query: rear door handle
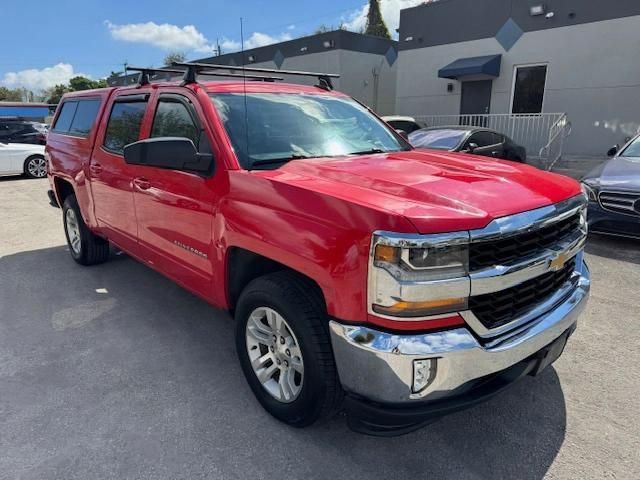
[[95, 168], [142, 183]]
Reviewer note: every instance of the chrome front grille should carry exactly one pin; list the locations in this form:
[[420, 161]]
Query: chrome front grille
[[620, 202], [521, 245], [520, 266], [499, 308]]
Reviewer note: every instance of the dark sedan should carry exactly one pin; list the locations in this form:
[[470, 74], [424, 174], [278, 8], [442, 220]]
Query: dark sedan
[[614, 192], [469, 139], [19, 131]]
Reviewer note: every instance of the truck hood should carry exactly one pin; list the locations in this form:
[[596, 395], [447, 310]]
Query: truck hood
[[435, 191]]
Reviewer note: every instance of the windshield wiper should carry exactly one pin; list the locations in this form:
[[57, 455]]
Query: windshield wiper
[[269, 161], [369, 151]]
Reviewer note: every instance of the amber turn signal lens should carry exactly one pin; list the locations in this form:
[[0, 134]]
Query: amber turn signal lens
[[387, 253], [419, 309]]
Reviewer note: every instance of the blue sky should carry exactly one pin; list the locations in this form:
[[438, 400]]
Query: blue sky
[[52, 40]]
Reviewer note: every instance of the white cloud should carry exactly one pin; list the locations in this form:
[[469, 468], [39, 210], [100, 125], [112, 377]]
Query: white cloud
[[390, 10], [173, 37], [165, 36], [258, 39], [38, 80], [228, 45]]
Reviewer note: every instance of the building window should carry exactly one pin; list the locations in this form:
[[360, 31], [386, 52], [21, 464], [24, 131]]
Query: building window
[[528, 89]]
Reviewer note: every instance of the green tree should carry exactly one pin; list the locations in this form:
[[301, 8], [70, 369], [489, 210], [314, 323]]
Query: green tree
[[177, 57], [54, 94], [83, 83], [375, 22], [10, 95]]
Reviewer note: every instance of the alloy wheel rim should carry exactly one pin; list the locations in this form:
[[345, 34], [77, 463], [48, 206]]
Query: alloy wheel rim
[[37, 167], [73, 231], [275, 355]]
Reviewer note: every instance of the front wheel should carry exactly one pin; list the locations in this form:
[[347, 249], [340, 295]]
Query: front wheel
[[283, 345], [35, 167]]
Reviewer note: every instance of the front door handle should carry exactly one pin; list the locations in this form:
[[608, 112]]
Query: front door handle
[[95, 168], [142, 183]]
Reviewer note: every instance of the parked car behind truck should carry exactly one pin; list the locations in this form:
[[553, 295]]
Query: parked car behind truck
[[614, 192], [399, 284], [20, 158], [469, 139]]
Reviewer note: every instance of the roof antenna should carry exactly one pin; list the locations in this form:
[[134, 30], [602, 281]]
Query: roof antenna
[[244, 89]]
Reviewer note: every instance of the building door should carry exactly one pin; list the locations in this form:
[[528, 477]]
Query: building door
[[475, 100]]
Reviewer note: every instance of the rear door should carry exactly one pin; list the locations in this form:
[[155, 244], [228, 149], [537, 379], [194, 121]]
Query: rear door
[[175, 208], [112, 178]]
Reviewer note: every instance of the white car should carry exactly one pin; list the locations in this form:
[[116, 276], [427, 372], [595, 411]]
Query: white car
[[22, 158]]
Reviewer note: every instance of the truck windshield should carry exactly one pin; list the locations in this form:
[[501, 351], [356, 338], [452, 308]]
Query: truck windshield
[[279, 127]]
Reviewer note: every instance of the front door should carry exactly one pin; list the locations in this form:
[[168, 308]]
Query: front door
[[475, 100], [175, 208]]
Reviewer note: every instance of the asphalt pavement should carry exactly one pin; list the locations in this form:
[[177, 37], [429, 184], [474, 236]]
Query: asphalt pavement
[[114, 372]]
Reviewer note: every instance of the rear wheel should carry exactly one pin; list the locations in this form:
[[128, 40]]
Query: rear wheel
[[35, 167], [85, 247], [282, 342]]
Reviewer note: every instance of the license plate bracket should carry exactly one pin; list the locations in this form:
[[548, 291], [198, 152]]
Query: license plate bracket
[[550, 353]]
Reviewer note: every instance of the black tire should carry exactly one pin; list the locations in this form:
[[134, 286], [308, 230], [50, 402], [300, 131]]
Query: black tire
[[38, 172], [92, 249], [299, 301]]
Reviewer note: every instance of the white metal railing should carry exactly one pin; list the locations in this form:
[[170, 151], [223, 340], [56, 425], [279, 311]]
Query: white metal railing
[[552, 151], [542, 134]]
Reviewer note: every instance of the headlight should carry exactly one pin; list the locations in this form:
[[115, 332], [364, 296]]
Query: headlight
[[589, 192], [414, 279]]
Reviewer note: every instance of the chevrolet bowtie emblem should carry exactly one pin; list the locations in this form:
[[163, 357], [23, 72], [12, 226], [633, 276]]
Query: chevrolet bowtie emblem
[[558, 262]]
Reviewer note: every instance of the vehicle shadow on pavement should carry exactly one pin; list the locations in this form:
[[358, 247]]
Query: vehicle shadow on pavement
[[113, 371], [615, 248]]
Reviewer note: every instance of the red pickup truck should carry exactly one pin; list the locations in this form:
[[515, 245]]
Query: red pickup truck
[[363, 274]]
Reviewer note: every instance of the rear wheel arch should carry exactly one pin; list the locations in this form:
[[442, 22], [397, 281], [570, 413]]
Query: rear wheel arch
[[63, 189]]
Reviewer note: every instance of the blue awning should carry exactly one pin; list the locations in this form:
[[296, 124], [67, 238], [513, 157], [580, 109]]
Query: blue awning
[[487, 66]]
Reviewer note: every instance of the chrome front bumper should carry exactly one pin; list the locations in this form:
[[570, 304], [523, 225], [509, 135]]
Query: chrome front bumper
[[379, 365]]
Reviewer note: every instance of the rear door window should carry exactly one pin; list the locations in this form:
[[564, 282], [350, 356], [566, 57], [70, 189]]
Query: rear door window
[[125, 122], [67, 112], [85, 117]]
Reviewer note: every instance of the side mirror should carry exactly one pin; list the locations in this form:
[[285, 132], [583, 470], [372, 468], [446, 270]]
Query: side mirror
[[471, 147], [174, 153], [613, 150], [402, 133]]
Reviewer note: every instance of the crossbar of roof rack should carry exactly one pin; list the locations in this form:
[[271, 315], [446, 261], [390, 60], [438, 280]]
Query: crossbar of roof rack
[[146, 71], [195, 68], [250, 77]]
